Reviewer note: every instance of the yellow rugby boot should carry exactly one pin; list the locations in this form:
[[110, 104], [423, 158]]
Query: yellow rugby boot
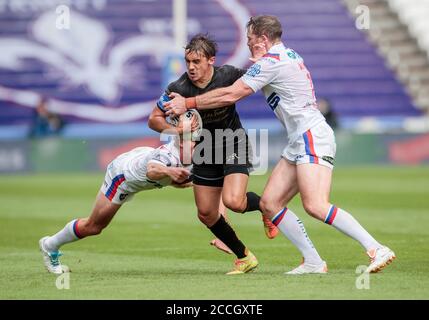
[[244, 265]]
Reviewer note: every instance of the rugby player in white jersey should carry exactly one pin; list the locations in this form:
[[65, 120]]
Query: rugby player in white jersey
[[140, 169], [307, 160]]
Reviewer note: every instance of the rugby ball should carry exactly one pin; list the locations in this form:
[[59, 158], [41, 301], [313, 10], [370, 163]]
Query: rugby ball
[[188, 117]]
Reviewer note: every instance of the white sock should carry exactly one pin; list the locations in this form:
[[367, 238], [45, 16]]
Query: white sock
[[344, 221], [290, 225], [66, 235]]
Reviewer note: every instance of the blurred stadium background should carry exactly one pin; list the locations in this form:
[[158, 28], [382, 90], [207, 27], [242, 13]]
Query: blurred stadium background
[[71, 99], [101, 77]]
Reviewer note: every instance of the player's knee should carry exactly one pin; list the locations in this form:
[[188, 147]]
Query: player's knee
[[314, 208], [268, 206], [235, 202], [207, 217], [93, 228], [96, 229]]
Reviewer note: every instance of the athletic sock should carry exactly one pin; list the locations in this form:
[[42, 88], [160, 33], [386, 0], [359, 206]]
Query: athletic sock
[[344, 221], [290, 225], [252, 202], [223, 231], [68, 234]]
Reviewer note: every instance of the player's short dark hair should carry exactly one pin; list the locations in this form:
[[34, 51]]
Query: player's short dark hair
[[204, 44], [265, 25]]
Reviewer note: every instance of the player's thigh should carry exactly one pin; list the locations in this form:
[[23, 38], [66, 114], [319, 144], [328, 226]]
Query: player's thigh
[[207, 199], [235, 188], [103, 212], [314, 182], [281, 187]]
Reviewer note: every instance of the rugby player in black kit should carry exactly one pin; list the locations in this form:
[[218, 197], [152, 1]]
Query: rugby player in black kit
[[223, 176]]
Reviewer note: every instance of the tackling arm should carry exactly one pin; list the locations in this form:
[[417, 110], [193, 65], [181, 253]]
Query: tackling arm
[[224, 96], [237, 91], [157, 172], [218, 98]]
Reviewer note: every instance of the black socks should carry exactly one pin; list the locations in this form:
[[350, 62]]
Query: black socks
[[223, 231], [252, 202]]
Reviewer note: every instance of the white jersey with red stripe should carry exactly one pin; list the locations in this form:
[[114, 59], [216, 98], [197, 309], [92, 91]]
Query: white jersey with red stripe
[[133, 165], [288, 88], [127, 174]]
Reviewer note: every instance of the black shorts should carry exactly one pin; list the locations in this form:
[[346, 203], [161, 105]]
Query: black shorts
[[212, 175], [233, 161]]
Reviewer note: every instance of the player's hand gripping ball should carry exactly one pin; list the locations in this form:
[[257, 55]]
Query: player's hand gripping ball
[[191, 123]]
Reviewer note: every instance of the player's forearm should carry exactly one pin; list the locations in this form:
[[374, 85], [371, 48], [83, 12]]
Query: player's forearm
[[159, 124], [221, 97], [156, 171]]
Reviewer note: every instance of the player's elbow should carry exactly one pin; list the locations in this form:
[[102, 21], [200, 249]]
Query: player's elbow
[[155, 171], [151, 172], [152, 122]]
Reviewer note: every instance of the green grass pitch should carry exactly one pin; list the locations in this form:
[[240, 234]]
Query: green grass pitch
[[156, 248]]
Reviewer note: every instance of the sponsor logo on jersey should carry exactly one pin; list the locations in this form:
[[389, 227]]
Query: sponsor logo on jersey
[[273, 100], [122, 196], [292, 54], [254, 70]]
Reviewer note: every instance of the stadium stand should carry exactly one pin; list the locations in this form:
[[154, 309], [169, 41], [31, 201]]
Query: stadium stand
[[346, 67], [399, 30], [415, 14]]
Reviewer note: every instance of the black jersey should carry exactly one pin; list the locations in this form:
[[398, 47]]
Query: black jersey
[[232, 146], [219, 118]]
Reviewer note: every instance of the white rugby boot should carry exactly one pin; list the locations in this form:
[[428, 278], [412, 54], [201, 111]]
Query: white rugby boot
[[380, 258], [306, 268], [51, 259]]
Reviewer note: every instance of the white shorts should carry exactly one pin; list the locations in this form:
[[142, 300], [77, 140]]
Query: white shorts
[[114, 186], [316, 145]]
